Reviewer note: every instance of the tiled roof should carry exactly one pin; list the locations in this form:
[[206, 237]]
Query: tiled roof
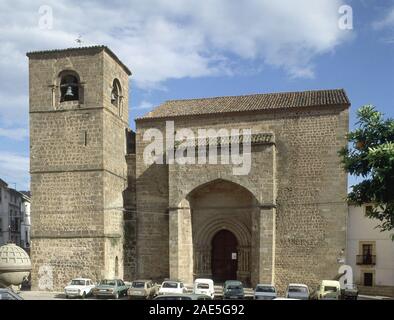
[[80, 49], [284, 100]]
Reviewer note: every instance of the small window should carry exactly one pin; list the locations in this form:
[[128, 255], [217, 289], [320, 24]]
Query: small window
[[116, 267], [116, 93], [69, 88]]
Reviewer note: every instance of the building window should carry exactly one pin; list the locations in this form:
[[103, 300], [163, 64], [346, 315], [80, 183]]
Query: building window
[[368, 279], [69, 87], [367, 255], [116, 93]]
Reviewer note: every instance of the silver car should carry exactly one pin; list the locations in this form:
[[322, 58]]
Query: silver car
[[265, 292], [7, 294], [297, 291]]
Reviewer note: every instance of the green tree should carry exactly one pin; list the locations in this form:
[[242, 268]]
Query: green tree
[[370, 155]]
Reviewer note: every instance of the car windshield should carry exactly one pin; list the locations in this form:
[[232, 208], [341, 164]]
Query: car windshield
[[332, 289], [234, 288], [108, 283], [265, 289], [138, 284], [202, 286], [298, 290], [171, 285], [78, 282]]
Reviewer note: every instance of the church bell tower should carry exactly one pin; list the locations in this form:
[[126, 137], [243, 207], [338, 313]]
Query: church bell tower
[[78, 122]]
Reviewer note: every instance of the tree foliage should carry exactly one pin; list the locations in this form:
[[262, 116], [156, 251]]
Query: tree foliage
[[370, 155]]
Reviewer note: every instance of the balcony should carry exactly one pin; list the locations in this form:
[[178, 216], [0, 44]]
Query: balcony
[[366, 260]]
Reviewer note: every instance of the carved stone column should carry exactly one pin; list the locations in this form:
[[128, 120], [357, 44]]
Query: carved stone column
[[181, 243], [263, 245]]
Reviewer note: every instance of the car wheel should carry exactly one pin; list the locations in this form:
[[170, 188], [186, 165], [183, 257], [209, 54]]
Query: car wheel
[[84, 295], [67, 297]]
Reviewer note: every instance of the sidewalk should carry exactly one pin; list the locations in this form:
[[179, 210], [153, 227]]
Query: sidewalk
[[42, 295], [365, 297]]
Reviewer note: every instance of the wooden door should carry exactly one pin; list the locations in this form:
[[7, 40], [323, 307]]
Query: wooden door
[[224, 256]]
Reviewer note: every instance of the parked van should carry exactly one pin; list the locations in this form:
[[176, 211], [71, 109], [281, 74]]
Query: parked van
[[204, 286], [329, 290]]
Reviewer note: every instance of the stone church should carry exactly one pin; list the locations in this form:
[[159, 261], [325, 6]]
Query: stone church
[[100, 211]]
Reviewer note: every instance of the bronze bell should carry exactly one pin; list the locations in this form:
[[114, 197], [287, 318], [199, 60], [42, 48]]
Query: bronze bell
[[69, 92]]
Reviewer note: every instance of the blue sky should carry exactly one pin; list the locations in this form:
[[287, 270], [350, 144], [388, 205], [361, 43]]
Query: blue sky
[[186, 49]]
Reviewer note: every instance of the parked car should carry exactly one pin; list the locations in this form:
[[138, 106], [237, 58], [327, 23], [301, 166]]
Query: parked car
[[328, 290], [172, 287], [204, 286], [142, 289], [297, 291], [265, 292], [233, 289], [79, 287], [183, 297], [114, 288], [349, 292], [7, 294]]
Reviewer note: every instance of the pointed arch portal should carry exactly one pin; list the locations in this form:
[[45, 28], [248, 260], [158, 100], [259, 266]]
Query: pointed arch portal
[[220, 231]]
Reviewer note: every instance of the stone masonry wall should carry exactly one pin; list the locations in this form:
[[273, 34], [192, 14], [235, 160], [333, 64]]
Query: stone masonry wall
[[309, 189]]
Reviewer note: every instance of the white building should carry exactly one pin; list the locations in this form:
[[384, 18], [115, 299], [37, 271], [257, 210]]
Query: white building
[[3, 213], [370, 253], [14, 216], [25, 222]]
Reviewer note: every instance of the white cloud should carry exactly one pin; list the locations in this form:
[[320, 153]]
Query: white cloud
[[14, 168], [14, 134], [386, 22], [144, 105], [175, 39]]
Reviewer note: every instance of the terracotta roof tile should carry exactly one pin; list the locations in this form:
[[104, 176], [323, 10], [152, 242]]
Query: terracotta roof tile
[[283, 100]]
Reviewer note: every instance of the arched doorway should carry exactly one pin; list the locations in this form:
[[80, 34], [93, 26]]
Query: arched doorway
[[224, 256]]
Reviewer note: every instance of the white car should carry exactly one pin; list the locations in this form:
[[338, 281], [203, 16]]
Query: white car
[[297, 291], [79, 287], [265, 292], [172, 287], [205, 287]]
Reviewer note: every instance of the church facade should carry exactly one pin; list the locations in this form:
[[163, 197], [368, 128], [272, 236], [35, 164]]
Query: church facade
[[100, 210]]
